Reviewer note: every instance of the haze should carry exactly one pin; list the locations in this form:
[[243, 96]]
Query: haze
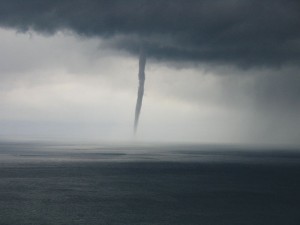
[[75, 78]]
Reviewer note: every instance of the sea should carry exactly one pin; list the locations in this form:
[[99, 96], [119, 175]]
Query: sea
[[45, 183]]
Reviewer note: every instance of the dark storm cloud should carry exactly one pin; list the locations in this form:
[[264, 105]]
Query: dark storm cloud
[[245, 33]]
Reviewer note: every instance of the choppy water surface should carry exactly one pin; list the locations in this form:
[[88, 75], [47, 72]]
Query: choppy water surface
[[148, 184]]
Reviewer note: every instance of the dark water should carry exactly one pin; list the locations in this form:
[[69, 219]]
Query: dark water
[[148, 184]]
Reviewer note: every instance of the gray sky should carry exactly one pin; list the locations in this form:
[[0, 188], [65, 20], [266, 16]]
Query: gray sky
[[217, 71]]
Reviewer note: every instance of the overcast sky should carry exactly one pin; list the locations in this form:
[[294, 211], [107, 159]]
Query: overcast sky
[[216, 72]]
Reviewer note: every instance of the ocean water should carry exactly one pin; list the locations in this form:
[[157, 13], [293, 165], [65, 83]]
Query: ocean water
[[128, 184]]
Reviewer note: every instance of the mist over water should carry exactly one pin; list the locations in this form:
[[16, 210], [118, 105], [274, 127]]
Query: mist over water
[[47, 183]]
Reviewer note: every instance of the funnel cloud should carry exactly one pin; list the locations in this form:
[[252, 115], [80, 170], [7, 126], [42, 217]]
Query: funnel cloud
[[141, 75]]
